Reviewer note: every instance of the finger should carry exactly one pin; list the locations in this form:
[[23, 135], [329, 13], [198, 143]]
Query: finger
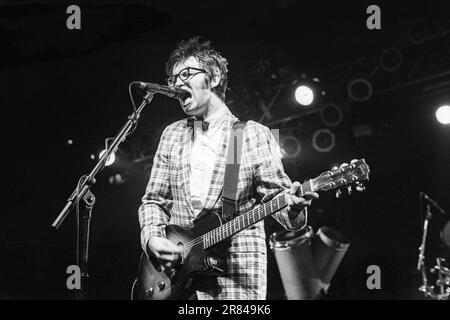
[[155, 253], [299, 202], [310, 195], [169, 257], [290, 203], [168, 251], [294, 187], [168, 247]]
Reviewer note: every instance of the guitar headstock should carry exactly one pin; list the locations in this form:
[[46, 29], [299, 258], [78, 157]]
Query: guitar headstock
[[346, 174]]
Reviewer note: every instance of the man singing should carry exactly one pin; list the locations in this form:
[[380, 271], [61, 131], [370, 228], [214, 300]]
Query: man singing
[[188, 173]]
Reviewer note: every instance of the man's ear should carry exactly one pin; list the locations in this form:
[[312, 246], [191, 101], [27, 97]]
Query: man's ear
[[215, 78]]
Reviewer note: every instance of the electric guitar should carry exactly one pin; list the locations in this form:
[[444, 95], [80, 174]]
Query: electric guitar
[[201, 244]]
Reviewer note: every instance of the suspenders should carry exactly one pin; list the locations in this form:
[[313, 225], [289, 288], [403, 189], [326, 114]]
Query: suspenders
[[230, 183]]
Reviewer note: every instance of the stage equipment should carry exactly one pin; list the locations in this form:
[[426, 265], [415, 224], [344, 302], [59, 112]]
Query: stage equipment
[[290, 147], [323, 140], [306, 261], [331, 115], [308, 91], [359, 90], [441, 289], [443, 114], [391, 59]]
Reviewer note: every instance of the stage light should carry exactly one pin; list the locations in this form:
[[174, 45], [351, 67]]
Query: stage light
[[308, 91], [443, 114], [110, 160], [290, 147], [362, 130], [323, 140], [359, 90], [304, 95], [117, 179], [391, 59], [418, 32], [331, 115]]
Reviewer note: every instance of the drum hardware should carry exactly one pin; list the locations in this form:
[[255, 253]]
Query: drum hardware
[[441, 289], [307, 261]]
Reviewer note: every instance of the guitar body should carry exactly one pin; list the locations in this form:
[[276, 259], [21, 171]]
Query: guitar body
[[179, 282]]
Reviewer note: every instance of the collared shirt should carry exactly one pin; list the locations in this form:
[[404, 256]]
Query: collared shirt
[[204, 152]]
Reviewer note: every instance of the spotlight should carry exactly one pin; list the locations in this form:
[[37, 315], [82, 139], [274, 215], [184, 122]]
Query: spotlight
[[307, 91], [323, 140], [304, 95], [290, 147], [359, 90], [117, 179], [331, 115], [362, 130], [391, 59], [110, 160], [443, 114], [418, 32]]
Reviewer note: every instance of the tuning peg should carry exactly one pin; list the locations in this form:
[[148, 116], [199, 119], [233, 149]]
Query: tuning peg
[[334, 168], [353, 161], [349, 190], [343, 165], [338, 193], [360, 187]]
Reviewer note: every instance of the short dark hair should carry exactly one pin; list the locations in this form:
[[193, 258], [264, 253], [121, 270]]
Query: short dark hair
[[208, 57]]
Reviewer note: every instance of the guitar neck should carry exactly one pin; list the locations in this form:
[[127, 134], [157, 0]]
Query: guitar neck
[[251, 217]]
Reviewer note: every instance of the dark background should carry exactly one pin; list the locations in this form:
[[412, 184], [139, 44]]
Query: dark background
[[59, 84]]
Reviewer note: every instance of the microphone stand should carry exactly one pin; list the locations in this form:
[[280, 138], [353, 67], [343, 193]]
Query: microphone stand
[[425, 289], [83, 195], [421, 262]]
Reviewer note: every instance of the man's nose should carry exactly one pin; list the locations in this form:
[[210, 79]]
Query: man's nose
[[179, 82]]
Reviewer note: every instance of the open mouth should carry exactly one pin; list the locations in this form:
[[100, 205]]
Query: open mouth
[[187, 100]]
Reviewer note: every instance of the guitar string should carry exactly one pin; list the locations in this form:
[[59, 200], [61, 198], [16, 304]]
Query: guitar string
[[227, 227]]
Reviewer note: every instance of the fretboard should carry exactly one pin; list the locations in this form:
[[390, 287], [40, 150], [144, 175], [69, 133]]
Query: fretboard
[[251, 217]]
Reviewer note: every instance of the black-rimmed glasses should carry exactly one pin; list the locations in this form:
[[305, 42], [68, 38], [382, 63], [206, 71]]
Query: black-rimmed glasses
[[184, 74]]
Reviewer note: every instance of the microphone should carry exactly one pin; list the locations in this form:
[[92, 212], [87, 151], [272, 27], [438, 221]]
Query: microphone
[[172, 92], [426, 197]]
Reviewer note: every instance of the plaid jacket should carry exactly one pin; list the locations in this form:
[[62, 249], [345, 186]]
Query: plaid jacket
[[167, 201]]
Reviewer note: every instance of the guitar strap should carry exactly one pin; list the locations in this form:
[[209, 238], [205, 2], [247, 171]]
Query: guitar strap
[[231, 178]]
